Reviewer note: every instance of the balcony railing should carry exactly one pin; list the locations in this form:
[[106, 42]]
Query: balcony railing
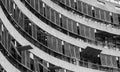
[[14, 61], [63, 5], [2, 69], [65, 31], [45, 48]]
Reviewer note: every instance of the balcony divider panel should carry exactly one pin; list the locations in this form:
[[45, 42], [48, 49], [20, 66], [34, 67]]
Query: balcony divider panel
[[41, 7], [72, 50], [11, 6], [60, 46], [92, 34], [79, 6], [54, 43], [34, 31], [68, 2], [89, 10], [52, 15], [77, 53], [9, 41], [103, 59], [87, 31], [17, 12], [32, 3], [57, 18], [0, 30], [6, 39], [3, 36], [47, 8], [72, 4], [84, 8], [109, 61], [82, 27], [74, 27], [8, 4], [64, 22], [114, 61], [21, 20], [70, 25], [66, 49], [107, 16], [97, 14], [49, 41], [115, 19], [36, 4]]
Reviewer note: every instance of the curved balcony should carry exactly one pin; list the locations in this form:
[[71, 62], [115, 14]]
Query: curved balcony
[[8, 67], [48, 58], [107, 5], [2, 69], [13, 61], [85, 18], [14, 53], [30, 39], [91, 13], [66, 31], [44, 27]]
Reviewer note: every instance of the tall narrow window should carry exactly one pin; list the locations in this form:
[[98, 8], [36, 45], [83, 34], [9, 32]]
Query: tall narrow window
[[41, 7], [79, 6], [67, 2], [63, 47], [111, 17], [75, 4], [44, 11], [72, 4], [60, 20], [32, 64], [52, 15], [93, 12], [28, 27], [57, 16]]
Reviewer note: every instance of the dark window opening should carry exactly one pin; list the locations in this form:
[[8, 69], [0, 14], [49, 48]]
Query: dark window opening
[[76, 5], [93, 13], [32, 64]]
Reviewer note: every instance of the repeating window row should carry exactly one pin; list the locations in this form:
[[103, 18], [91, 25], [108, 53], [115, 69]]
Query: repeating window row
[[90, 11], [48, 40], [68, 26], [24, 60], [61, 20], [53, 43]]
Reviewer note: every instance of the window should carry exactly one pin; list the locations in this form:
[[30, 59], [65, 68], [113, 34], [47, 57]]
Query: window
[[64, 22], [115, 19], [41, 7], [79, 6], [57, 18], [36, 4], [78, 31], [93, 12], [63, 50], [89, 9], [52, 15], [72, 4], [84, 8], [28, 27], [67, 2], [47, 10]]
